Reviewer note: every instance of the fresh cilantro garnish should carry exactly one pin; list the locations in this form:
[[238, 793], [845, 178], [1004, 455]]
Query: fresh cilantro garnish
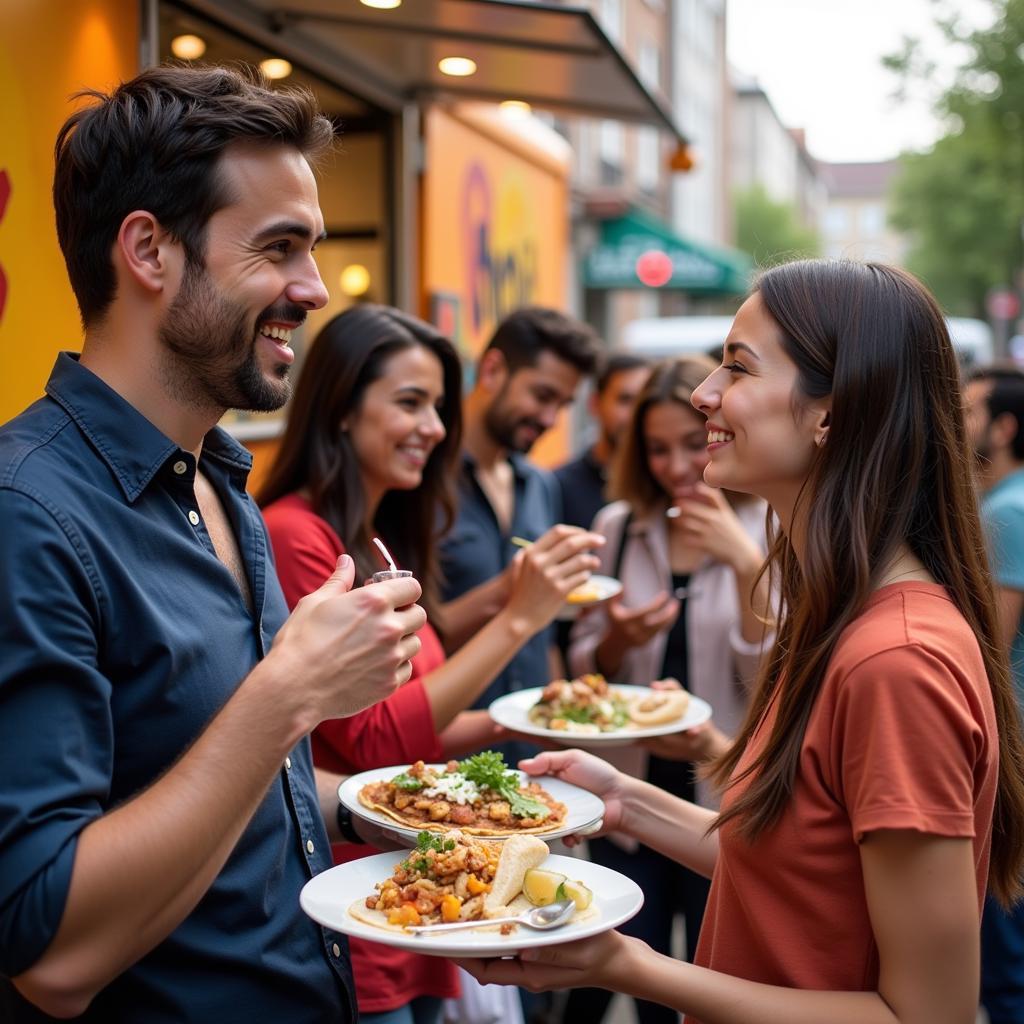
[[428, 841], [407, 782], [486, 769], [489, 769], [581, 715]]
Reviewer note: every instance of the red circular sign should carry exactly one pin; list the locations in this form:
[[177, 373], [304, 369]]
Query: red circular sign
[[654, 268], [1003, 304]]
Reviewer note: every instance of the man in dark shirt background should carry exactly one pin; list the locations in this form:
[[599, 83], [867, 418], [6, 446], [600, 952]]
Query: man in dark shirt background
[[528, 373], [582, 480], [160, 809]]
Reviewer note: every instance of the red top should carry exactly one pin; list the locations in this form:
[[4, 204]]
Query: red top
[[902, 736], [396, 731]]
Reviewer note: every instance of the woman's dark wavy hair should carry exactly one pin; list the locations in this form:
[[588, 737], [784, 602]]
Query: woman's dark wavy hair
[[316, 454], [153, 144], [895, 470]]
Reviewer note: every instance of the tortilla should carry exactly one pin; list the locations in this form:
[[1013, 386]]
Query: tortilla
[[520, 905], [518, 855], [658, 707]]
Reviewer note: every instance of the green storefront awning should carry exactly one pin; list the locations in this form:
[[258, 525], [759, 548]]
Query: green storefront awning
[[639, 251]]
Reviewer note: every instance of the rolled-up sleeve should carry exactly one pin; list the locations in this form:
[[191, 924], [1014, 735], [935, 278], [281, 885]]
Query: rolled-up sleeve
[[55, 721]]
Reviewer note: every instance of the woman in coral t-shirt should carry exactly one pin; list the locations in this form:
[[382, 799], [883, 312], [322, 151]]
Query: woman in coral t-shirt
[[855, 840], [372, 438]]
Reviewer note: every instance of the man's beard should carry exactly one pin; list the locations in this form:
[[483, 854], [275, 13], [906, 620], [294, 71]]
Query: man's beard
[[503, 427], [212, 349]]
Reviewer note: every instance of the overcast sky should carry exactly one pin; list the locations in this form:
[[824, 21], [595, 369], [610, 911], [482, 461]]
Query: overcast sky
[[819, 61]]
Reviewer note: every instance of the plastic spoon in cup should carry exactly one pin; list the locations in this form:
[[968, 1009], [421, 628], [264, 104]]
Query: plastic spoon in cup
[[554, 915]]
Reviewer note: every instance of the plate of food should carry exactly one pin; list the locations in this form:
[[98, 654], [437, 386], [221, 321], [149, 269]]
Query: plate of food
[[596, 590], [479, 795], [588, 711], [454, 878]]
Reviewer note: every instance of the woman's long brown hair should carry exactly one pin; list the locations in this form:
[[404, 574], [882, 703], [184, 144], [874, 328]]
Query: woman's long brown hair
[[346, 357], [895, 471]]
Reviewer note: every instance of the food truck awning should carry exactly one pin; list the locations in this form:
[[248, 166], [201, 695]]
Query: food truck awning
[[554, 57]]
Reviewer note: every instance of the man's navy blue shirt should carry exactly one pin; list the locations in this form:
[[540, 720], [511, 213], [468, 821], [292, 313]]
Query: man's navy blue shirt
[[121, 636], [582, 483], [475, 550]]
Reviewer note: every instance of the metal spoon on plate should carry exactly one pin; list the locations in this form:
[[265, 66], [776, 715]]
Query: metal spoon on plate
[[554, 915]]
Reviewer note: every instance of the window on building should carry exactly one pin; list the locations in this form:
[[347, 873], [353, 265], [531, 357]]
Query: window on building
[[610, 15], [649, 64], [648, 158], [871, 220], [837, 222]]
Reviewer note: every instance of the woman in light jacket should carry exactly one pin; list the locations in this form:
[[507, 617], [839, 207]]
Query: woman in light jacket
[[692, 608]]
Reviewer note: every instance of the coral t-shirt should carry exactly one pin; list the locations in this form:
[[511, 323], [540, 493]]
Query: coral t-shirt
[[396, 731], [902, 736]]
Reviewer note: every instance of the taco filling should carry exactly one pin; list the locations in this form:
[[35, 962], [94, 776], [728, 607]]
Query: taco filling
[[455, 877], [480, 796]]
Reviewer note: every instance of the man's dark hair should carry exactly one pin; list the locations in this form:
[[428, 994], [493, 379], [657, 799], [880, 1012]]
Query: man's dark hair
[[1006, 396], [153, 145], [618, 362], [524, 334]]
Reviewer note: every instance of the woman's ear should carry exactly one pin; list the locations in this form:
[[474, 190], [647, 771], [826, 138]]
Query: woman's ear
[[824, 421]]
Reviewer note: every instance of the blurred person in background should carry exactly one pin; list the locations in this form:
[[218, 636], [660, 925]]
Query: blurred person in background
[[994, 407], [526, 376], [370, 450], [876, 788], [583, 480], [692, 609]]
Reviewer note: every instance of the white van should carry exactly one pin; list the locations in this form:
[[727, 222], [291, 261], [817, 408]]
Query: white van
[[663, 337]]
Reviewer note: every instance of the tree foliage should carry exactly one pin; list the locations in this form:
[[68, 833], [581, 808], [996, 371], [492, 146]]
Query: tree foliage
[[962, 202], [769, 231]]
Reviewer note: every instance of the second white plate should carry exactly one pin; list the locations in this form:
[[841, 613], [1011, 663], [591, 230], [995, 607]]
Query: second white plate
[[585, 809], [512, 711], [327, 897]]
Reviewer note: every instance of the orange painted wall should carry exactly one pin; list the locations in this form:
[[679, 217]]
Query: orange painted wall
[[49, 49], [495, 233]]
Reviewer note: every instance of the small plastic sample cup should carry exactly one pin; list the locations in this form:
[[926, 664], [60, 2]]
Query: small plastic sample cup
[[389, 574]]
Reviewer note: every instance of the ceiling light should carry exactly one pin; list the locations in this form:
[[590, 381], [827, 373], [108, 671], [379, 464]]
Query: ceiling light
[[275, 68], [355, 280], [188, 47], [457, 67], [382, 5], [515, 108]]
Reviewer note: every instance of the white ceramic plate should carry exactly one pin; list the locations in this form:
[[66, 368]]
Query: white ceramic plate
[[512, 711], [327, 897], [585, 809], [605, 587]]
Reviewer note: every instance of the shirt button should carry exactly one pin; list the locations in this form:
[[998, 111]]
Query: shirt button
[[309, 846], [336, 949], [193, 518], [180, 467], [288, 763]]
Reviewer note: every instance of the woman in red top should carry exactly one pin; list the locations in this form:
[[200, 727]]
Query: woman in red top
[[876, 786], [370, 447]]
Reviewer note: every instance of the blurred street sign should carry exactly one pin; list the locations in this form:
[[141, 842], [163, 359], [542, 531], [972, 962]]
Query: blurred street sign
[[1002, 304]]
